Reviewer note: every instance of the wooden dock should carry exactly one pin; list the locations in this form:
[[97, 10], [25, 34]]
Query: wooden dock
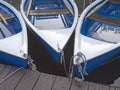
[[14, 78]]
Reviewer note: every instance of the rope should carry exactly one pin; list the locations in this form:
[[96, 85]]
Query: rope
[[31, 65], [82, 70], [8, 76], [82, 56], [63, 59], [30, 61], [64, 63]]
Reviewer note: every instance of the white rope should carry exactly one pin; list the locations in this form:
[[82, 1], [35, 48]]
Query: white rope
[[82, 70], [82, 56], [30, 61], [63, 59], [8, 76], [31, 65], [64, 63]]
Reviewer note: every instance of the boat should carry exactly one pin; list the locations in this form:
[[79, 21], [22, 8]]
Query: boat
[[52, 22], [13, 36], [97, 36]]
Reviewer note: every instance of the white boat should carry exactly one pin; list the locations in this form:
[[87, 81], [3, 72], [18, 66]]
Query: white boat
[[52, 22], [97, 36], [13, 36]]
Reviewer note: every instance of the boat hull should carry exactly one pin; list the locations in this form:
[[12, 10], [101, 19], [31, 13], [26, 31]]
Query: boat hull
[[13, 37], [53, 30], [97, 36], [97, 61], [13, 60], [54, 55]]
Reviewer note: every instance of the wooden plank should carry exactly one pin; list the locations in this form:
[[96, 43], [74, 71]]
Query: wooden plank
[[12, 69], [68, 7], [33, 80], [62, 83], [116, 83], [117, 88], [3, 19], [47, 12], [97, 8], [45, 82], [29, 7], [5, 71], [1, 68], [105, 19], [93, 86], [103, 87], [11, 82], [7, 16], [111, 88], [28, 80], [79, 85]]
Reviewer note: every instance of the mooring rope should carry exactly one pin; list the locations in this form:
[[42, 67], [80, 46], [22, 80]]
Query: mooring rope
[[30, 61], [9, 75], [81, 68]]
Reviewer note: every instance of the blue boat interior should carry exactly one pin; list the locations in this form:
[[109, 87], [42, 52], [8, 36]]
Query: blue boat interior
[[50, 21], [13, 26], [102, 30]]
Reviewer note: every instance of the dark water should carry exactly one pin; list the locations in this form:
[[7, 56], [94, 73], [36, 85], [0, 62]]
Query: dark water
[[106, 73]]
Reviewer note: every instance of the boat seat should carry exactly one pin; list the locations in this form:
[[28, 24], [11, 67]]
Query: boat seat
[[7, 16], [48, 12], [105, 19], [118, 1]]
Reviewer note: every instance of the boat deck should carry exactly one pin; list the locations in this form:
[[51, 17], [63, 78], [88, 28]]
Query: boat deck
[[14, 78]]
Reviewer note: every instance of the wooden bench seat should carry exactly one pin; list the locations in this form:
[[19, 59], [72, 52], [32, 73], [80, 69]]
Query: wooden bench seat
[[7, 16], [105, 19], [48, 12]]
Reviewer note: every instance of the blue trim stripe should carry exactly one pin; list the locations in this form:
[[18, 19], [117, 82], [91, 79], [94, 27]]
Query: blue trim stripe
[[13, 60], [96, 62]]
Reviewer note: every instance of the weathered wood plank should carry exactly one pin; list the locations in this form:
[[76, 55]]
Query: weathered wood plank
[[62, 83], [93, 86], [103, 87], [111, 88], [12, 81], [5, 71], [116, 83], [105, 19], [79, 85], [12, 69], [45, 82], [28, 80], [117, 88], [1, 68], [47, 12], [33, 80]]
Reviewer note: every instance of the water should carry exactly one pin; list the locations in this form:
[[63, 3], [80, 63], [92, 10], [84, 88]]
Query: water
[[105, 74]]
